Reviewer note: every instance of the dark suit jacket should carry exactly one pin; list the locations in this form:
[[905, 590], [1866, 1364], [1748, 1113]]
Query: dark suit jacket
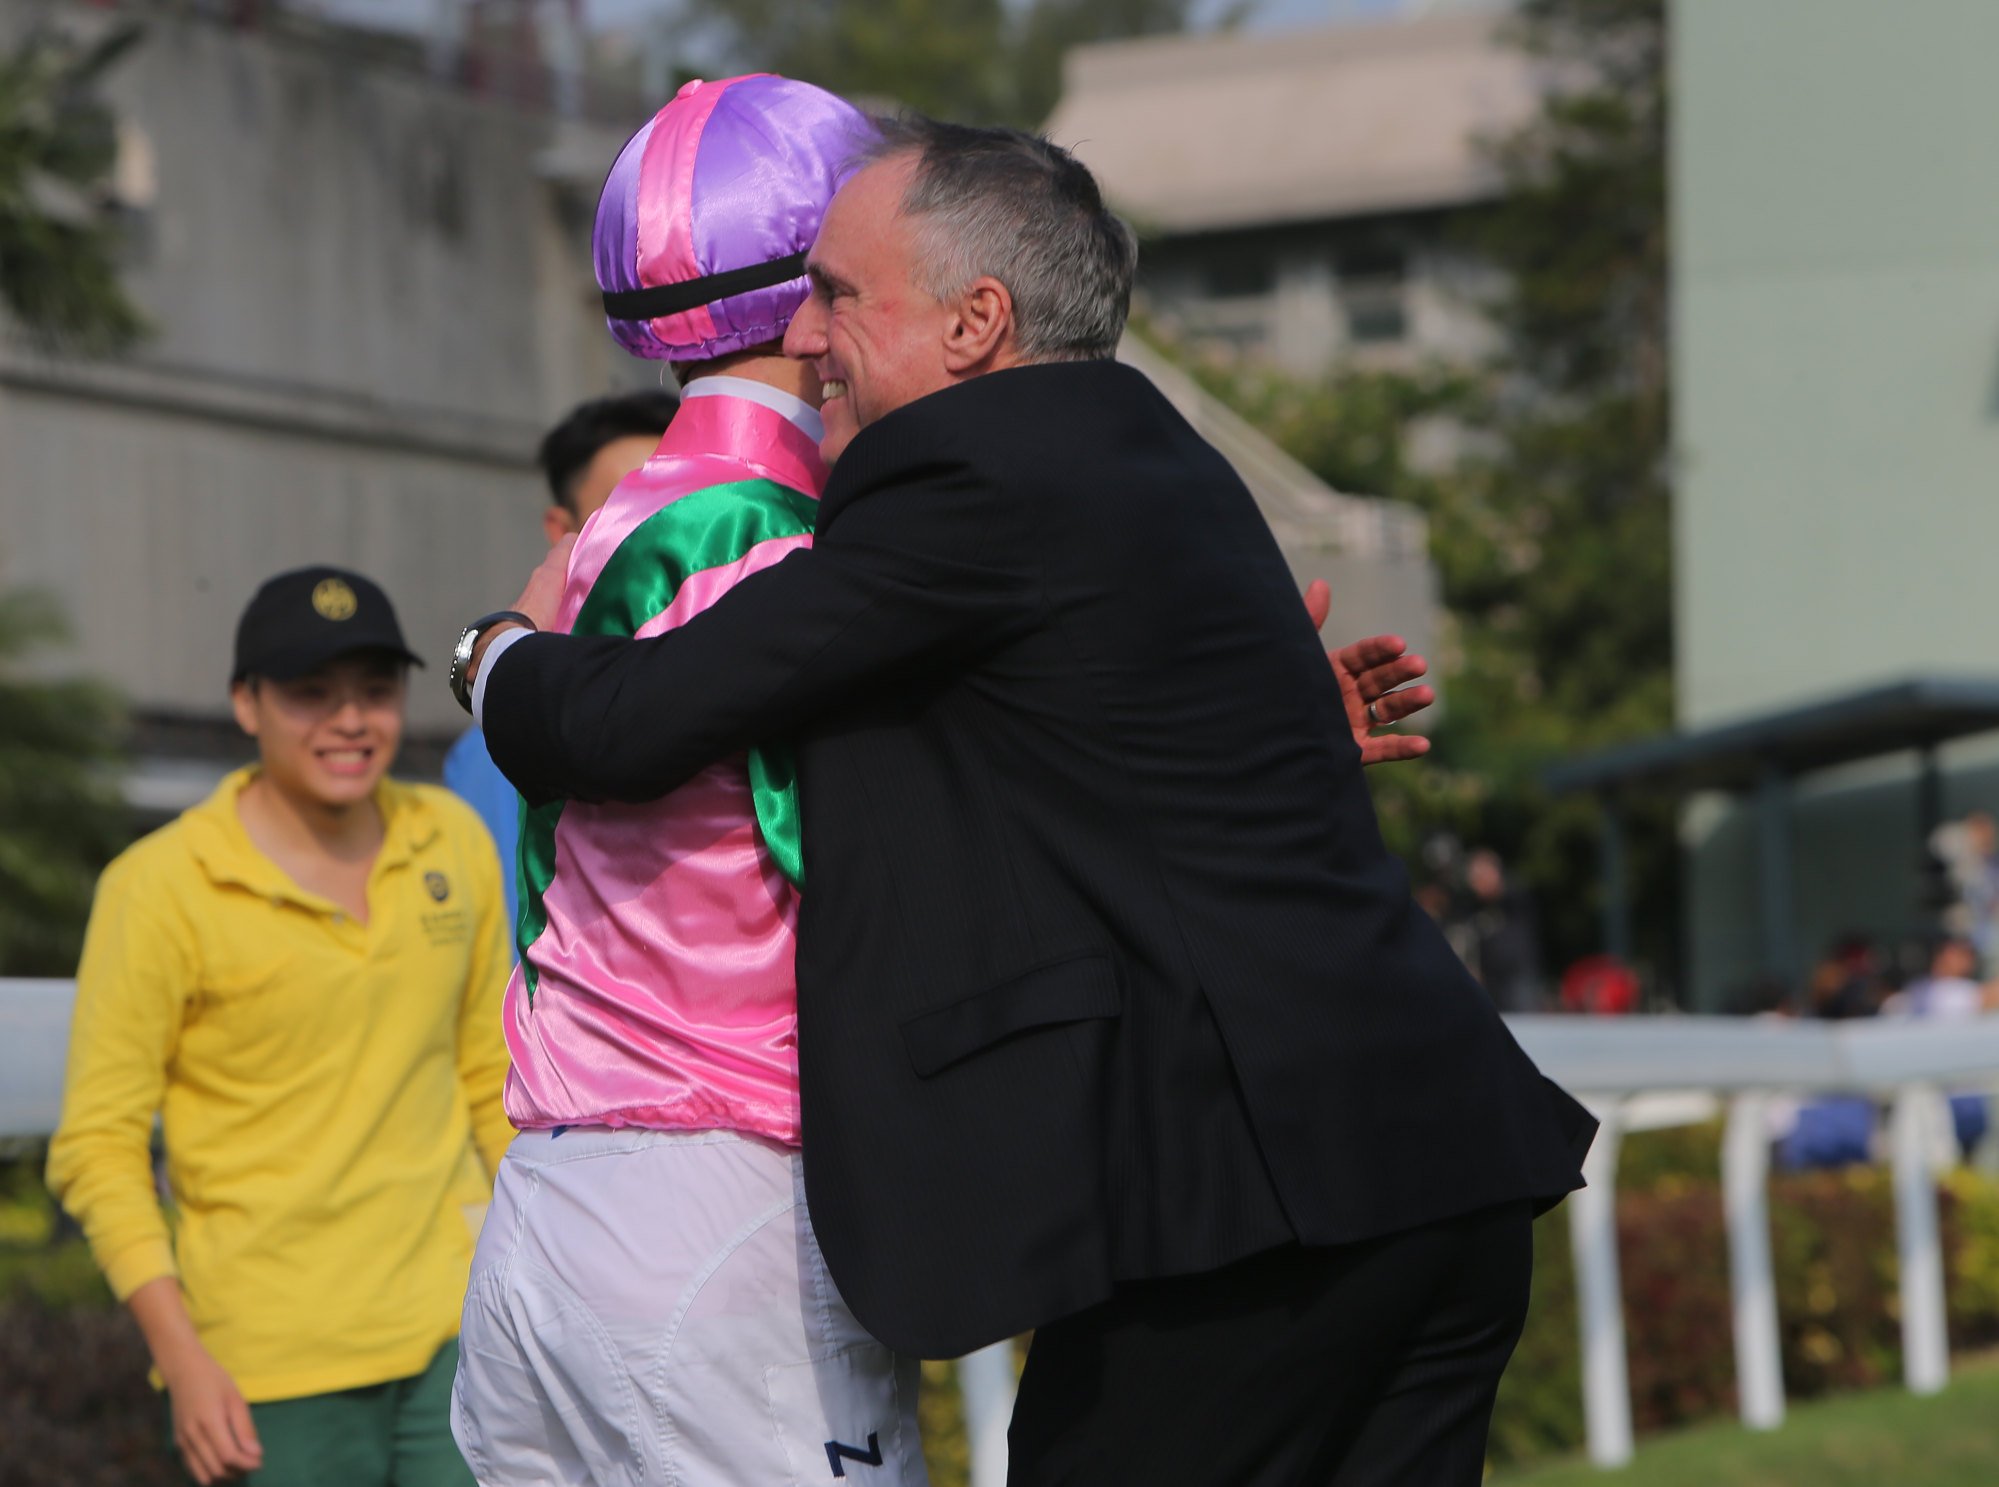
[[1103, 969]]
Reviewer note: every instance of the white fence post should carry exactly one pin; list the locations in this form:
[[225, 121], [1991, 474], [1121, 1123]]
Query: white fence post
[[1600, 1300], [1919, 1119], [986, 1388], [1745, 1189]]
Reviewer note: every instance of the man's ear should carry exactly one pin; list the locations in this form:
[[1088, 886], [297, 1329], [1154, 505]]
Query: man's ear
[[980, 334], [243, 702], [557, 522]]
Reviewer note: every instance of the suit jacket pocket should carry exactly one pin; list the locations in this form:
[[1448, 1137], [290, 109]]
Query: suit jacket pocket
[[1071, 990]]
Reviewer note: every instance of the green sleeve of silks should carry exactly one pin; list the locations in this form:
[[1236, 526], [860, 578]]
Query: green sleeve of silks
[[774, 788]]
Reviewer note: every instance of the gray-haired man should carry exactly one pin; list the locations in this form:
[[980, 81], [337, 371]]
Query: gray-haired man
[[1116, 1017]]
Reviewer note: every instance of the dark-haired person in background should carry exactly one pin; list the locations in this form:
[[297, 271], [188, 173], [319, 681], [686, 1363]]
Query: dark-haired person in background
[[1116, 1017], [583, 458], [595, 446]]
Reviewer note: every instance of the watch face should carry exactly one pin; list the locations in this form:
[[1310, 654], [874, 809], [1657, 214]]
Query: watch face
[[461, 659]]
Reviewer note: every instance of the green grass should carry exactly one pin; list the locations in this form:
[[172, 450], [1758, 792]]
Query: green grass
[[37, 1262], [1886, 1436]]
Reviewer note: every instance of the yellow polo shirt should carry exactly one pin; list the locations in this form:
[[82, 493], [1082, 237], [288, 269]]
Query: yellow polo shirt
[[330, 1091]]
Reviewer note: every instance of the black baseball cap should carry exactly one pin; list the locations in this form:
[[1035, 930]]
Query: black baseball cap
[[300, 620]]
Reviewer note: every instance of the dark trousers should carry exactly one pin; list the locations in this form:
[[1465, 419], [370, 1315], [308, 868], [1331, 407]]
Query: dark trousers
[[1346, 1366]]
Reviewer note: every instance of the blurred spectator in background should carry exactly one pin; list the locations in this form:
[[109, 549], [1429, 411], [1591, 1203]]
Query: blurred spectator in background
[[597, 445], [1950, 993], [1599, 986], [1969, 850], [1501, 917], [1833, 1130], [302, 977], [1848, 982], [583, 458], [1442, 894]]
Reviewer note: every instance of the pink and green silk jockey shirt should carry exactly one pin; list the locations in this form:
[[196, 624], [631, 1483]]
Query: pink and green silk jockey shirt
[[655, 986]]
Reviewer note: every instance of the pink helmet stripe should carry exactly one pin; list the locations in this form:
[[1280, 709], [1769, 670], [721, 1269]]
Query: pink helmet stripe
[[666, 204]]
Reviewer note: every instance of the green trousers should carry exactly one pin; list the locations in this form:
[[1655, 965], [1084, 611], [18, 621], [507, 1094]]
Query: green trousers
[[396, 1434]]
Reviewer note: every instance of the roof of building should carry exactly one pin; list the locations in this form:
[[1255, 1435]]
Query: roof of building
[[1305, 514], [1915, 713], [1210, 132]]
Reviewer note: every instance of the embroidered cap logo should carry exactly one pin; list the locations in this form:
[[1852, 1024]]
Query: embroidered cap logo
[[334, 600]]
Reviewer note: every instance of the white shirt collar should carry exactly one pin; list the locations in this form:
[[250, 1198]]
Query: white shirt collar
[[802, 414]]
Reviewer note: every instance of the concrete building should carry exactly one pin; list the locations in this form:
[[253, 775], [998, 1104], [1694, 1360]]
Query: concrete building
[[1836, 387], [368, 304], [1299, 193], [372, 293]]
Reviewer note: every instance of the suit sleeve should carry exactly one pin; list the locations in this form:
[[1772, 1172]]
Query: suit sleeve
[[914, 578]]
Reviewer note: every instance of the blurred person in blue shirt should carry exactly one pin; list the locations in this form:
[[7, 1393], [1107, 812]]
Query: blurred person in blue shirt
[[583, 457], [1951, 992]]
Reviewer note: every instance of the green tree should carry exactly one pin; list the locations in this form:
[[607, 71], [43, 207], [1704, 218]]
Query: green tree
[[59, 244], [61, 815], [1576, 476], [1565, 606], [982, 61], [1551, 530]]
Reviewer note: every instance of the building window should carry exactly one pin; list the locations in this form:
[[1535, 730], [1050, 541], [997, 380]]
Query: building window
[[1374, 293], [1239, 276], [133, 194]]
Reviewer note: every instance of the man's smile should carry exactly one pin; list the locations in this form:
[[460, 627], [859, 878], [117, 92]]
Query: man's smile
[[347, 760]]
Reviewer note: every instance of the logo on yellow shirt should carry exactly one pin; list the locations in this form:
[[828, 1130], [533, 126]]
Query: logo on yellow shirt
[[439, 886]]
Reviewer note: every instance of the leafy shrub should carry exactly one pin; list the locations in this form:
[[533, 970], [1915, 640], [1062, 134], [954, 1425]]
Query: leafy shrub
[[1832, 1241], [75, 1407], [1651, 1160], [1833, 1247]]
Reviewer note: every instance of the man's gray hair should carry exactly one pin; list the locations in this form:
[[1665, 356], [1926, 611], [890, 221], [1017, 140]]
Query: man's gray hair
[[1011, 205]]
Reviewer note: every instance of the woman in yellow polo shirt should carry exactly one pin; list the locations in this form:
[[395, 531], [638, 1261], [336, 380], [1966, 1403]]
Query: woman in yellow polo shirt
[[302, 977]]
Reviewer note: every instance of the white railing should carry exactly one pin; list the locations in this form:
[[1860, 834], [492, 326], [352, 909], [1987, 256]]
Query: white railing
[[1646, 1073], [34, 1039], [1635, 1073]]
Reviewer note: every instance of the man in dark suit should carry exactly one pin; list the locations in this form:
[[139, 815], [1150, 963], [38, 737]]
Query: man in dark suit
[[1116, 1017]]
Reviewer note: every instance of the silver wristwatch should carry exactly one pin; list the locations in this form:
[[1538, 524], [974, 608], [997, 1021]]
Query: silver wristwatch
[[468, 641]]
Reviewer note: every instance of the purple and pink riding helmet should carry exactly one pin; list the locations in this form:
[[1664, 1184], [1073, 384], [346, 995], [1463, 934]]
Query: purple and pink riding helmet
[[705, 219]]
